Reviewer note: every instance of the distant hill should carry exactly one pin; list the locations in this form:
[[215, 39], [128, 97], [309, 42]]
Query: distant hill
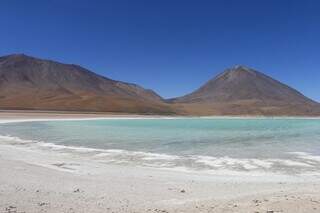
[[244, 91], [31, 83]]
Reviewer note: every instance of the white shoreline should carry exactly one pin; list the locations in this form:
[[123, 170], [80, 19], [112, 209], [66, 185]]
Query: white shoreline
[[35, 181], [78, 119], [3, 121], [29, 178], [255, 167]]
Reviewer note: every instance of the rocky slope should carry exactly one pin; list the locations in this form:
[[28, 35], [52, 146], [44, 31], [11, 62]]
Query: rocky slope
[[30, 83], [244, 91]]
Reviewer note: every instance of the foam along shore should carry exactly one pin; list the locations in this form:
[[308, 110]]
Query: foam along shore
[[51, 181]]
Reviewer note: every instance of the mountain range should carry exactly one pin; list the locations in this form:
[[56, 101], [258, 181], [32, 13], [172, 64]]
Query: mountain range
[[30, 83]]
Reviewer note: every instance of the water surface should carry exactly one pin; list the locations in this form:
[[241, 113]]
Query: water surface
[[215, 144]]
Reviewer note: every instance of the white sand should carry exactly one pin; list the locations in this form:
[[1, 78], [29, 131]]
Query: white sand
[[49, 181]]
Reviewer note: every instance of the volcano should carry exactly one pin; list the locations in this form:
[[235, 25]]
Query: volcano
[[244, 91]]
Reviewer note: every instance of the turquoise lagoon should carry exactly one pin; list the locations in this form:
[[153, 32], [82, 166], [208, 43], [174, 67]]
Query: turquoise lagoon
[[277, 145]]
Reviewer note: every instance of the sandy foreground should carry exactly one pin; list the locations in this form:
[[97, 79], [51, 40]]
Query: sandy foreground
[[50, 181]]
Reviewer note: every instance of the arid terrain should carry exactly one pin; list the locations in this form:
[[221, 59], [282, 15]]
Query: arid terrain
[[244, 91], [35, 84], [28, 83]]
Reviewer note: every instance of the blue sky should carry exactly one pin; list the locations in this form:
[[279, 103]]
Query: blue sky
[[171, 46]]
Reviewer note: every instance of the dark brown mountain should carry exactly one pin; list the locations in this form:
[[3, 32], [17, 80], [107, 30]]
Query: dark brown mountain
[[244, 91], [30, 83]]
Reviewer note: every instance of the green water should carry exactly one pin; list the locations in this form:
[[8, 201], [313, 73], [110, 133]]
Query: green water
[[277, 145]]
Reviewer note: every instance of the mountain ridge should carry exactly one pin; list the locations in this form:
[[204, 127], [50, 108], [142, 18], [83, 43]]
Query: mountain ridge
[[243, 90], [234, 72], [45, 81], [27, 82]]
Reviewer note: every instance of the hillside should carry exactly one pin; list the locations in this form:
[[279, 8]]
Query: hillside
[[243, 91], [31, 83]]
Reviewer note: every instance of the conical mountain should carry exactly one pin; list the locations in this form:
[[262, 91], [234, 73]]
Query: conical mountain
[[31, 83], [244, 91]]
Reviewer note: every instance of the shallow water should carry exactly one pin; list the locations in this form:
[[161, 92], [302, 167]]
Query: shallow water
[[290, 146]]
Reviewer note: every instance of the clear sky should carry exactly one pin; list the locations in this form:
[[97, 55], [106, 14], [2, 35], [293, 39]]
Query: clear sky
[[171, 46]]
